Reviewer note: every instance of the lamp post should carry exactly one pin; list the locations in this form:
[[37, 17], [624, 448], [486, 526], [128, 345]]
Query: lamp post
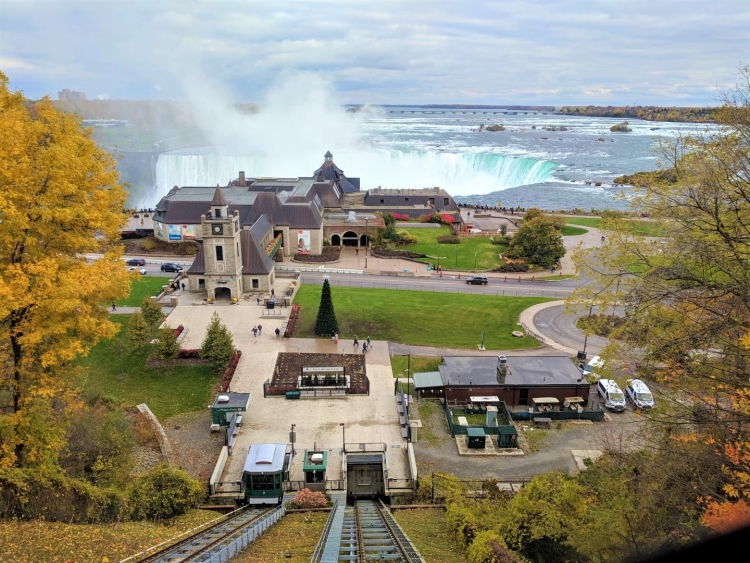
[[343, 434], [586, 333], [367, 241], [292, 437], [438, 266]]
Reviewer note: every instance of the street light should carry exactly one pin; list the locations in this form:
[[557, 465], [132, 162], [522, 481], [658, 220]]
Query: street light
[[367, 241], [292, 437], [343, 433], [438, 266]]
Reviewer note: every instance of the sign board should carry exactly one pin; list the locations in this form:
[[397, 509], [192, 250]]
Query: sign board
[[174, 232]]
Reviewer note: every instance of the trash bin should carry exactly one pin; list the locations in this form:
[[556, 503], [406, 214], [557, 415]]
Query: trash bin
[[293, 394], [581, 356], [270, 304]]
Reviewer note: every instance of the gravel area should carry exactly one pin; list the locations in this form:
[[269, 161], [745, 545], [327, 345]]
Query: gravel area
[[194, 446]]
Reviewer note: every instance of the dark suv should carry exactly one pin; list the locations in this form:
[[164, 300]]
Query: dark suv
[[170, 267], [136, 262], [477, 280]]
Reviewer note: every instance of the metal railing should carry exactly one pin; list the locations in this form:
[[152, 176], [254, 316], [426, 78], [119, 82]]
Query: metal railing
[[224, 551], [318, 553]]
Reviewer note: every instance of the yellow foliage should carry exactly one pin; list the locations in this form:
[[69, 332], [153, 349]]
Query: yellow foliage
[[61, 199]]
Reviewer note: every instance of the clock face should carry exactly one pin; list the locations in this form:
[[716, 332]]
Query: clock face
[[218, 229]]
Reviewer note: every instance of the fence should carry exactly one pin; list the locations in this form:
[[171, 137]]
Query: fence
[[596, 414], [320, 269], [281, 389], [506, 290], [218, 470], [401, 484], [459, 429]]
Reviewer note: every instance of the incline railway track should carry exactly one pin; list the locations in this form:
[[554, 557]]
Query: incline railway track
[[197, 546], [370, 533]]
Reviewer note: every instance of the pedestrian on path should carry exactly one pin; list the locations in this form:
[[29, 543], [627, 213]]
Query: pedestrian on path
[[255, 331], [356, 342], [336, 337], [369, 343], [260, 329], [114, 308], [278, 332], [183, 286], [273, 294], [257, 300], [364, 347], [356, 252], [602, 239]]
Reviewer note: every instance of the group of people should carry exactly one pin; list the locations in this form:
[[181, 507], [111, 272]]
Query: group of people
[[366, 345]]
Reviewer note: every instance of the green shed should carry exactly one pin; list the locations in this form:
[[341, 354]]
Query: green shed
[[314, 467], [226, 405], [476, 437], [507, 436]]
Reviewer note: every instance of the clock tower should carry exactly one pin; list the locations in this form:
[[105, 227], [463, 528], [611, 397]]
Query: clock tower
[[222, 253]]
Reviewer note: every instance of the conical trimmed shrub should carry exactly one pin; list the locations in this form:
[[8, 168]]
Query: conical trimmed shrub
[[326, 323]]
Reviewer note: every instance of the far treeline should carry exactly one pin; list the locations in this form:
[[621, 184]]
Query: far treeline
[[143, 114], [647, 113]]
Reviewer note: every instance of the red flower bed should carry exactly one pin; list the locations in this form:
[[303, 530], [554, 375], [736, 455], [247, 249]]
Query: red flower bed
[[447, 219], [229, 374], [292, 320]]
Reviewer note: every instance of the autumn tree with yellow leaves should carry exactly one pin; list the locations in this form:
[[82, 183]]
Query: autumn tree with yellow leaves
[[685, 298], [60, 198]]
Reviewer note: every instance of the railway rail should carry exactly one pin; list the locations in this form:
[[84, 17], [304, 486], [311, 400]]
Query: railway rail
[[205, 544]]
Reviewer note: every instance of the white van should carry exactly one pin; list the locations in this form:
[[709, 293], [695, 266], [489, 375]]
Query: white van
[[588, 370], [614, 398], [639, 394]]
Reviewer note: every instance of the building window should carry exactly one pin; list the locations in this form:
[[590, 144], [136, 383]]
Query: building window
[[382, 201], [238, 248], [219, 253], [432, 201], [236, 225], [256, 284], [406, 199], [445, 201], [201, 284], [217, 213]]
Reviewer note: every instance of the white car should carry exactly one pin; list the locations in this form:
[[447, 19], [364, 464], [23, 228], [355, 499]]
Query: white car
[[475, 231], [639, 394], [142, 271]]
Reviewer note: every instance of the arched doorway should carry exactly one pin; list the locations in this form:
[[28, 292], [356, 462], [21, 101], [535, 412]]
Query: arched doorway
[[335, 240], [363, 240], [222, 294], [350, 238]]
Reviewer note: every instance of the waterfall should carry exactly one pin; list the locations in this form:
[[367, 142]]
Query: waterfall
[[459, 174]]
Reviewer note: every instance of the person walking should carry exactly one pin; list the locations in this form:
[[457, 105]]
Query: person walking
[[183, 286], [114, 307], [257, 300], [356, 342], [260, 329], [278, 332], [369, 343], [255, 331], [364, 347], [336, 337], [273, 293]]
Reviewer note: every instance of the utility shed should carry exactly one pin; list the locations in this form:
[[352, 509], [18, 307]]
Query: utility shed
[[476, 437], [226, 405], [428, 384], [314, 468]]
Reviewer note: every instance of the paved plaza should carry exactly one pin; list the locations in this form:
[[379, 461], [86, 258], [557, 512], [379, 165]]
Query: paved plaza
[[372, 419]]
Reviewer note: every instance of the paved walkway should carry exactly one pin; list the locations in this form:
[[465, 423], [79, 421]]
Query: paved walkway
[[548, 323]]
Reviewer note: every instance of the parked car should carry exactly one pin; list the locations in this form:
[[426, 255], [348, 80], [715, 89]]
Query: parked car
[[171, 267], [136, 262], [477, 280], [589, 370], [639, 394], [610, 392], [142, 271]]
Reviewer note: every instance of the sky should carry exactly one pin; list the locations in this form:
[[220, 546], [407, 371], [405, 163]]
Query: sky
[[550, 52]]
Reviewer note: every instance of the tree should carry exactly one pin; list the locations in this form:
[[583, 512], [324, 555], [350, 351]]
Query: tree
[[138, 331], [164, 493], [537, 241], [166, 346], [60, 200], [217, 345], [326, 323], [687, 294], [151, 311]]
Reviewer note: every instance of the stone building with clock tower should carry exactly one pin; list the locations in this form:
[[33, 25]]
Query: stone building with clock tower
[[231, 260]]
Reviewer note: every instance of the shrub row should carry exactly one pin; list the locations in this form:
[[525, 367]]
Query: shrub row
[[450, 239], [512, 267], [292, 320], [226, 380], [388, 253]]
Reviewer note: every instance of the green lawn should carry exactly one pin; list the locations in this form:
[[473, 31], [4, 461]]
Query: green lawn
[[592, 222], [568, 231], [455, 256], [112, 369], [418, 364], [428, 529], [644, 228], [422, 318], [142, 287]]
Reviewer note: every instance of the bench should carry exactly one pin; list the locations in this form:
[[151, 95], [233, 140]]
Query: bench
[[402, 420], [462, 421], [182, 335], [405, 432], [401, 409], [543, 421]]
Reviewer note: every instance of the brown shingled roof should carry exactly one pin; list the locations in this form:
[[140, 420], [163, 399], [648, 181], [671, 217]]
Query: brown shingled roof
[[219, 198]]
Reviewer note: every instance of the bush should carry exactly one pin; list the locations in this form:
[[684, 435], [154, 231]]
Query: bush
[[309, 499], [151, 311], [513, 267], [434, 218], [166, 347], [389, 220], [447, 219], [164, 493], [450, 239], [148, 245]]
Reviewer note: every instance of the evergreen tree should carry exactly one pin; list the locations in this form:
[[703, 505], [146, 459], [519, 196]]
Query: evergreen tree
[[166, 347], [151, 311], [138, 331], [218, 345], [326, 323]]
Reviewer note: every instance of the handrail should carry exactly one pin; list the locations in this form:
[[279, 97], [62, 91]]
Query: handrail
[[318, 553]]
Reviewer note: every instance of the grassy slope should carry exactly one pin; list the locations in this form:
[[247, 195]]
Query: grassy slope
[[592, 222], [455, 256], [143, 287], [293, 538], [568, 231], [418, 364], [112, 369], [421, 318], [429, 532], [644, 228], [53, 542]]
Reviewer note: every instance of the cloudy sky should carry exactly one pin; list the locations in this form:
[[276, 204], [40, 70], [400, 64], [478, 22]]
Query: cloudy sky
[[664, 52]]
